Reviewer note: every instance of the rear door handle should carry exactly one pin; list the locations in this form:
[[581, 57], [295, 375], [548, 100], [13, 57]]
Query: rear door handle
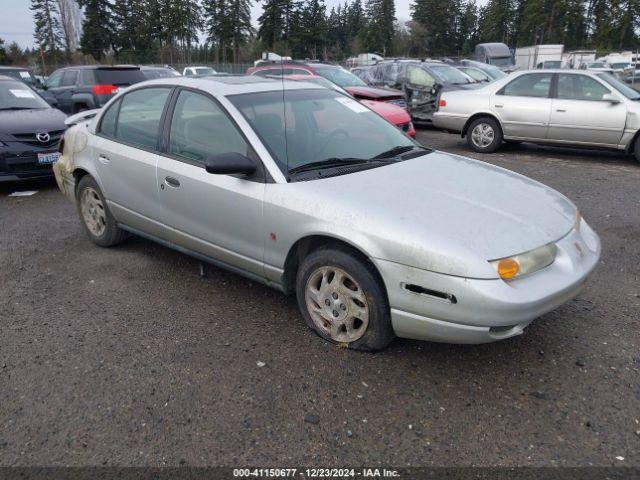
[[172, 182], [499, 106], [561, 110], [103, 159]]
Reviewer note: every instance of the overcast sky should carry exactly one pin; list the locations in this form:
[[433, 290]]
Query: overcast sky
[[16, 22]]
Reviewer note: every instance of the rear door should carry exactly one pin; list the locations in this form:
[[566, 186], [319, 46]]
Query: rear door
[[420, 92], [62, 84], [580, 115], [219, 216], [523, 106], [126, 153]]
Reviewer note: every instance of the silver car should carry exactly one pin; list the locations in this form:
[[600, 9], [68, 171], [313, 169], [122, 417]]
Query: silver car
[[560, 107], [308, 191]]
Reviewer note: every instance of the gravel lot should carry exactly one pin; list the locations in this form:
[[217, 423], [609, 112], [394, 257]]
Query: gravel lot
[[126, 356]]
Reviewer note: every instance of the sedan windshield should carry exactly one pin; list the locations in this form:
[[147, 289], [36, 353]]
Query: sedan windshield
[[340, 76], [451, 75], [320, 127], [16, 95], [625, 90], [501, 61]]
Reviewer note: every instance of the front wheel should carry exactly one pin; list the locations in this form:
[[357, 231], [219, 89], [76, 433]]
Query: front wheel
[[343, 301], [484, 135]]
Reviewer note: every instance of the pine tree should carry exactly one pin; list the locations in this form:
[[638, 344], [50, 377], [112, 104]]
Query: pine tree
[[498, 21], [97, 28], [272, 22], [438, 18], [48, 31], [4, 60], [381, 16]]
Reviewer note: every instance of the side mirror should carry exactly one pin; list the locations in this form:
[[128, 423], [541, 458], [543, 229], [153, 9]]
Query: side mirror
[[229, 164], [609, 97]]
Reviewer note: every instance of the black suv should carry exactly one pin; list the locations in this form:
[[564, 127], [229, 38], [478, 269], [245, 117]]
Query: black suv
[[86, 87], [30, 131]]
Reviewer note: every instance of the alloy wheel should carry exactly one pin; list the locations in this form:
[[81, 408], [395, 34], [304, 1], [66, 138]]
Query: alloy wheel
[[93, 212], [482, 135]]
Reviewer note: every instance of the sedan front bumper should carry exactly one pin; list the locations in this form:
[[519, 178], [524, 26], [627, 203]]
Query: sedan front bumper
[[444, 308]]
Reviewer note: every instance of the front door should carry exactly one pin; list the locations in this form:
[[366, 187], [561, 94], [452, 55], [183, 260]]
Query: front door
[[580, 115], [523, 106], [219, 216]]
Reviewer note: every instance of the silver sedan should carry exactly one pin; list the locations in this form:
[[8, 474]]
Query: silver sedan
[[558, 107], [308, 191]]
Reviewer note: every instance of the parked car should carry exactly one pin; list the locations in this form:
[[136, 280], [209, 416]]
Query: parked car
[[562, 107], [422, 82], [475, 73], [152, 72], [26, 75], [599, 67], [90, 86], [494, 72], [29, 132], [336, 74], [191, 71], [394, 114], [310, 192]]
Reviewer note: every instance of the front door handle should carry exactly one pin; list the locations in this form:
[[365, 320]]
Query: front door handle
[[499, 106], [561, 110], [172, 182], [103, 159]]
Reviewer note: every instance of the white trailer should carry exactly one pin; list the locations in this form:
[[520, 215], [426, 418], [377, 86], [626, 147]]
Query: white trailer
[[578, 58], [539, 56]]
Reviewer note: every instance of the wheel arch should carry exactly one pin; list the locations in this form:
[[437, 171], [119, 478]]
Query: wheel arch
[[305, 245], [475, 116], [631, 147]]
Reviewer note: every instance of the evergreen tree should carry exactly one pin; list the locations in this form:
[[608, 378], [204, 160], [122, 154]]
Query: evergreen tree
[[48, 31], [552, 21], [4, 60], [498, 21], [381, 16], [272, 22], [438, 19], [97, 28]]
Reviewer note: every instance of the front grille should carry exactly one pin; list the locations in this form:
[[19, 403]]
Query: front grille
[[31, 139], [400, 102]]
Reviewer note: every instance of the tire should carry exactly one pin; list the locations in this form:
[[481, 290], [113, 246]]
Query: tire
[[342, 299], [636, 148], [95, 216], [484, 135]]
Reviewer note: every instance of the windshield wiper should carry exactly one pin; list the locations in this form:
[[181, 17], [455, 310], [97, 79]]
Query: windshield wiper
[[397, 150], [16, 108], [331, 162]]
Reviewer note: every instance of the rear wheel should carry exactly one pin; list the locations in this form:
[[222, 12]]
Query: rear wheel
[[484, 135], [342, 299], [96, 218]]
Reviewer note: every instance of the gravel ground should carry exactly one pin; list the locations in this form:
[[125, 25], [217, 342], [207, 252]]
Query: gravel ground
[[126, 356]]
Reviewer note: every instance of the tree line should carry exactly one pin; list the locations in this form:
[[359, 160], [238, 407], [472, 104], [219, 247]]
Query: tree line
[[221, 31]]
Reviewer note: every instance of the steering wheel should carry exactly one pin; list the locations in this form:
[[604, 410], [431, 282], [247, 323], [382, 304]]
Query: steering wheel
[[334, 134]]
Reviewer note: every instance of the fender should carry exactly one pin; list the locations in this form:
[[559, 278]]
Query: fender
[[84, 98]]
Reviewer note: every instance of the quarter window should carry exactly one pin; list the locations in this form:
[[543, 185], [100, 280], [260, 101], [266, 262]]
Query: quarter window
[[580, 87], [200, 128], [139, 117], [530, 85], [108, 122]]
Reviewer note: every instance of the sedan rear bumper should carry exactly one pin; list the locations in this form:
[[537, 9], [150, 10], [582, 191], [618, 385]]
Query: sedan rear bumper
[[443, 308], [451, 122]]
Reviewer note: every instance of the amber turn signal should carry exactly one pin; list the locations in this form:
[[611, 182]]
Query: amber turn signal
[[508, 268]]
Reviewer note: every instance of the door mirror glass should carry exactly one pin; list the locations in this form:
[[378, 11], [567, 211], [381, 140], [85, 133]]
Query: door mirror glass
[[229, 164]]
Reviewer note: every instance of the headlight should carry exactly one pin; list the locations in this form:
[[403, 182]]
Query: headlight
[[525, 263]]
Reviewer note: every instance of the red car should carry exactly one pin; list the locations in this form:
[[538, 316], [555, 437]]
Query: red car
[[390, 112], [334, 73]]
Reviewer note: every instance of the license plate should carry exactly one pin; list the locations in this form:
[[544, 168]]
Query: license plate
[[48, 158]]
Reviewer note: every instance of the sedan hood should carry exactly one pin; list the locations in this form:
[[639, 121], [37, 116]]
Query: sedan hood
[[440, 212], [375, 93], [31, 121], [393, 113]]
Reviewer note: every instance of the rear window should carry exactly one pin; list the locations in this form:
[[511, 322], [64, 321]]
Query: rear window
[[119, 76], [22, 75]]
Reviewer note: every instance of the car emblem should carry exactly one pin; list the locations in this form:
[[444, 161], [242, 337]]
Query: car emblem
[[43, 137]]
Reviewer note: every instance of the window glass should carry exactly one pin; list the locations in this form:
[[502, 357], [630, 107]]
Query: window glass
[[418, 76], [451, 75], [580, 87], [315, 125], [54, 80], [199, 129], [340, 76], [87, 77], [299, 71], [108, 122], [15, 94], [531, 85], [69, 78], [139, 118]]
